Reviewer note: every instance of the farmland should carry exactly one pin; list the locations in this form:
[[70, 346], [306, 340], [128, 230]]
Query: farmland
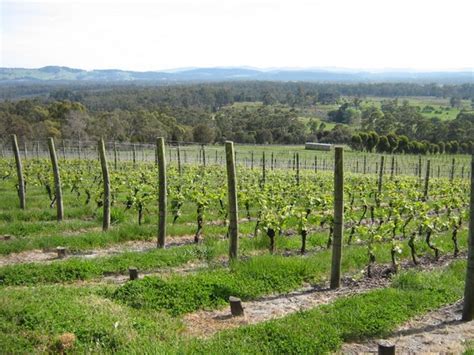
[[400, 234]]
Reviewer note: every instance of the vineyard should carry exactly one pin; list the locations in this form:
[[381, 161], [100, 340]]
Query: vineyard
[[95, 256]]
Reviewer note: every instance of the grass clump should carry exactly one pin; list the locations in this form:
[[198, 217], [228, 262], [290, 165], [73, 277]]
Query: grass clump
[[76, 319], [258, 276], [324, 329], [85, 269]]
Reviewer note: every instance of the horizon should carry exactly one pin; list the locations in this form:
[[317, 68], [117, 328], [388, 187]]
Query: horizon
[[270, 69], [165, 35]]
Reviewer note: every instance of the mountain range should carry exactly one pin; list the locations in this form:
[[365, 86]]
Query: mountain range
[[60, 73]]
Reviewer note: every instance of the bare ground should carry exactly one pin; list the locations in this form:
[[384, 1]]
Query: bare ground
[[438, 332], [183, 269], [45, 256], [204, 324]]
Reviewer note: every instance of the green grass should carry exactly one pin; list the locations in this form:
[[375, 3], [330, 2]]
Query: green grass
[[33, 319], [74, 269], [324, 329], [248, 280], [211, 288], [441, 106], [469, 348]]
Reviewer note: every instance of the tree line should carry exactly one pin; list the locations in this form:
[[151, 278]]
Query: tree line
[[209, 113]]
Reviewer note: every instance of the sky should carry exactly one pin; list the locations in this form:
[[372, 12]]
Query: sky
[[164, 34]]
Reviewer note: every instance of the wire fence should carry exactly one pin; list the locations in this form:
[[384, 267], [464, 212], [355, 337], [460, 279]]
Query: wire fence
[[250, 156]]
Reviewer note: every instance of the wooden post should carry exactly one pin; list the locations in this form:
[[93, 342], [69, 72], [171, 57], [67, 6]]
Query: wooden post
[[451, 175], [106, 178], [338, 218], [365, 164], [61, 251], [392, 167], [385, 348], [419, 167], [427, 181], [203, 156], [236, 308], [315, 163], [115, 155], [232, 195], [379, 189], [178, 152], [134, 154], [263, 169], [468, 308], [160, 148], [251, 161], [297, 168], [272, 162], [133, 273], [19, 172], [57, 180], [25, 150], [63, 148]]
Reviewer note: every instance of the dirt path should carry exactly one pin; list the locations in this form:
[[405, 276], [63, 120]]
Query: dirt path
[[204, 324], [190, 267], [45, 256], [438, 332]]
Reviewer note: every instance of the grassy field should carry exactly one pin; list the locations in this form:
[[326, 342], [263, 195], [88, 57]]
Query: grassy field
[[430, 107]]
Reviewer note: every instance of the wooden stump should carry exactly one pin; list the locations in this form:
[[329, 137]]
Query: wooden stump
[[133, 272], [61, 252], [236, 306], [386, 348]]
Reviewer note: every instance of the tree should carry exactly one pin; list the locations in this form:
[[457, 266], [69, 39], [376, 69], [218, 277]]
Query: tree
[[455, 101], [392, 141], [356, 141], [454, 147], [202, 133], [403, 143], [383, 145], [364, 137], [264, 136], [75, 126], [441, 147], [372, 140]]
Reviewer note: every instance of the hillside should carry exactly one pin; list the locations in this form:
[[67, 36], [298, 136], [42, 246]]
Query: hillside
[[58, 73]]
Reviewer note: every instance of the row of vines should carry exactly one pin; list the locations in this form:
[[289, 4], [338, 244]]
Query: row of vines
[[380, 211]]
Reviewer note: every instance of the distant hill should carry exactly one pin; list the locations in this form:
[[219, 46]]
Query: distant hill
[[57, 73]]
